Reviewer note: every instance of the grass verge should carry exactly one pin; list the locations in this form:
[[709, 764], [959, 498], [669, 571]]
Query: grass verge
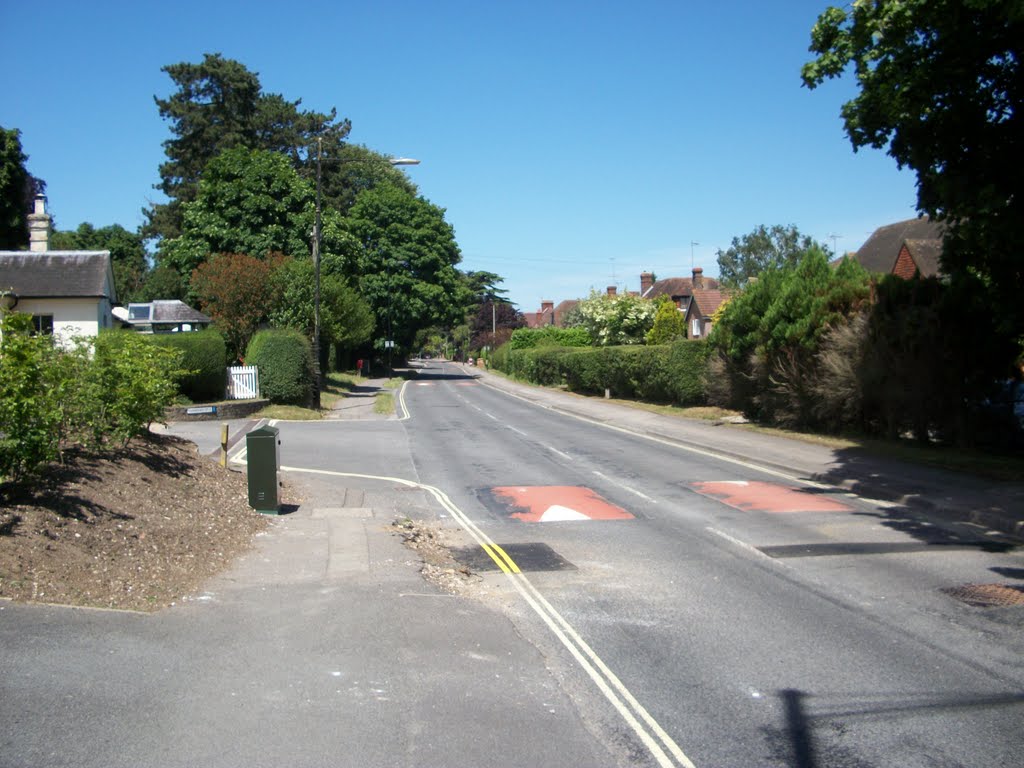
[[384, 403]]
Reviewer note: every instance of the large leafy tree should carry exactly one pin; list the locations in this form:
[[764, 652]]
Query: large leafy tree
[[406, 267], [238, 290], [345, 317], [349, 169], [17, 188], [493, 323], [940, 87], [250, 201], [761, 249], [219, 104], [127, 254]]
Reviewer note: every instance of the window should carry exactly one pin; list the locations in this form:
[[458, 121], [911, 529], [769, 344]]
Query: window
[[43, 324], [695, 328], [140, 311]]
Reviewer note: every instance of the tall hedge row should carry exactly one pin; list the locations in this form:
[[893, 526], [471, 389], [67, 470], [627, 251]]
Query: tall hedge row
[[285, 361], [667, 373], [204, 356]]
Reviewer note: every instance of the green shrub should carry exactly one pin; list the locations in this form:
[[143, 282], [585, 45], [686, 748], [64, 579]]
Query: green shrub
[[669, 373], [285, 360], [30, 416], [128, 385], [549, 336], [204, 358]]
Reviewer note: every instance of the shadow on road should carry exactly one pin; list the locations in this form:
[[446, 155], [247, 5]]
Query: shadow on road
[[808, 739]]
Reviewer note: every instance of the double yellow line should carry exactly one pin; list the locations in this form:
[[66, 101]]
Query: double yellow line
[[663, 749]]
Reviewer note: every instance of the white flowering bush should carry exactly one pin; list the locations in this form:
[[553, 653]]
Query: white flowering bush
[[616, 320]]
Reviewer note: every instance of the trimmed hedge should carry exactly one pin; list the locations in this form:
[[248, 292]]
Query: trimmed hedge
[[550, 336], [204, 356], [667, 373], [285, 359]]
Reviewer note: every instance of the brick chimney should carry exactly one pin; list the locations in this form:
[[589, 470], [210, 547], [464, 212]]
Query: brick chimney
[[612, 290], [646, 281], [698, 279], [39, 226], [547, 313]]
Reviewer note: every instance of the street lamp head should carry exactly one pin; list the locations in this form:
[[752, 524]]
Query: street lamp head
[[403, 161]]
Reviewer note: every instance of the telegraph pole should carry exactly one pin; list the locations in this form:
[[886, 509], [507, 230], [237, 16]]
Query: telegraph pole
[[316, 283]]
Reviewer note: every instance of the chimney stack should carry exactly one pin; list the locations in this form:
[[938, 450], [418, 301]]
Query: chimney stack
[[698, 279], [612, 290], [646, 281], [39, 226]]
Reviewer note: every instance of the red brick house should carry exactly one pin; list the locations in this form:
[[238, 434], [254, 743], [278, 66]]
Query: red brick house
[[697, 298], [906, 248]]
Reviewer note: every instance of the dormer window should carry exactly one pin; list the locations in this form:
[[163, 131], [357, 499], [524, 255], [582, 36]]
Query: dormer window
[[140, 312]]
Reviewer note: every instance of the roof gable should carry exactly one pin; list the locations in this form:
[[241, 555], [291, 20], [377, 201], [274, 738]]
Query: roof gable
[[880, 251]]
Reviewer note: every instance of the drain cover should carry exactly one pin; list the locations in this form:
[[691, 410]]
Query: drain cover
[[527, 557], [988, 595]]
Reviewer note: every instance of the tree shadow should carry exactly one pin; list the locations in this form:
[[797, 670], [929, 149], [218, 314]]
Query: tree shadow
[[1009, 573], [427, 374], [811, 739], [53, 491]]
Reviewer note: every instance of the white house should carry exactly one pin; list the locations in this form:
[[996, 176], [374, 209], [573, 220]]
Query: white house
[[68, 293]]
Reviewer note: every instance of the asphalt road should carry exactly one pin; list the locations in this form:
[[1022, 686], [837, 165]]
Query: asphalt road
[[640, 604], [751, 633]]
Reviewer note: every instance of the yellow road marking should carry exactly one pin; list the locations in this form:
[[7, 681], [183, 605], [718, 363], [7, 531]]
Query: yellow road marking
[[635, 715]]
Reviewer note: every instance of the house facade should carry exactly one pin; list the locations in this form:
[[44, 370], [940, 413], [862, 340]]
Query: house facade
[[697, 297], [68, 293]]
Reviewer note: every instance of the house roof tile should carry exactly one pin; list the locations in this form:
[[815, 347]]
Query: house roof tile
[[56, 274], [880, 251]]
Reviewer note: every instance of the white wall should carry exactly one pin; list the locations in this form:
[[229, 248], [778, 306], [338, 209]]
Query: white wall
[[71, 317]]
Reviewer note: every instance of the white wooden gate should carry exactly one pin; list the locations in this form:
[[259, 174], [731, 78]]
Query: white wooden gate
[[243, 382]]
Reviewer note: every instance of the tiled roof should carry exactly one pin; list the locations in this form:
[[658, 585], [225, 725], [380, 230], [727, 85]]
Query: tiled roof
[[926, 254], [708, 300], [56, 274], [677, 286], [880, 251], [174, 311]]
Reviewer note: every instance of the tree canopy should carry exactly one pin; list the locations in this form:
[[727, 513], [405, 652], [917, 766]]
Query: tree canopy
[[237, 291], [763, 248], [218, 105], [127, 254], [406, 267], [940, 87], [345, 317], [14, 179], [250, 201]]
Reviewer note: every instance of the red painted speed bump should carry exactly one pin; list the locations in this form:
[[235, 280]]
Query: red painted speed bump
[[754, 496], [557, 503]]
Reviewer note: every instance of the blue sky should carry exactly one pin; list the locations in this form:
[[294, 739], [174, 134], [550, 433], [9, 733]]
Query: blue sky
[[573, 144]]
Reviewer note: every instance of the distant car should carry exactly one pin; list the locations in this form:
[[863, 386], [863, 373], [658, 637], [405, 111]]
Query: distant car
[[470, 361]]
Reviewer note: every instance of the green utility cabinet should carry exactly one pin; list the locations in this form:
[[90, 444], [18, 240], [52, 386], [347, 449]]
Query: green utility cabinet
[[263, 457]]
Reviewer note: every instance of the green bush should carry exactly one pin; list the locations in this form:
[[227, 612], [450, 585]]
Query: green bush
[[204, 358], [549, 336], [128, 385], [112, 387], [30, 413], [669, 373], [285, 360]]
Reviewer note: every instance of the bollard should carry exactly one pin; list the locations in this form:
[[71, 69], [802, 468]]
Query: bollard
[[224, 445]]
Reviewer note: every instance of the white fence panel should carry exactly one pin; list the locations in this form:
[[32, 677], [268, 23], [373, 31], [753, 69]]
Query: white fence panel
[[243, 382]]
